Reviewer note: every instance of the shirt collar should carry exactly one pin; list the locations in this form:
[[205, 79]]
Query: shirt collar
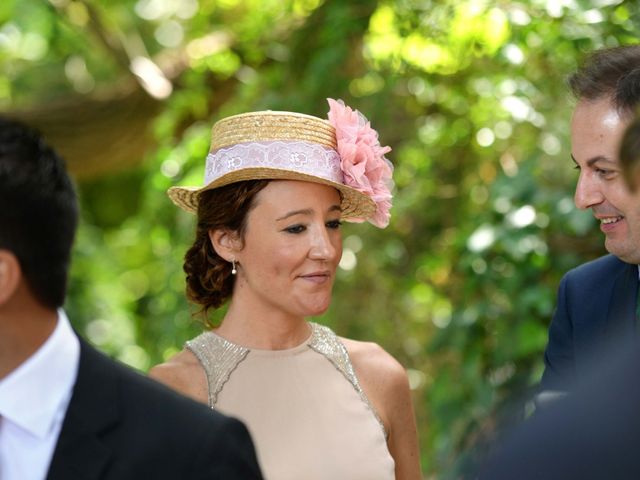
[[33, 394]]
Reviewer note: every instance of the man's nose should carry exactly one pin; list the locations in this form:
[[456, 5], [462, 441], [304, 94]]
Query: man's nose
[[588, 192]]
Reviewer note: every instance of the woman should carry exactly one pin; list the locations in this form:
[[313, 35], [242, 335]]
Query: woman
[[277, 185]]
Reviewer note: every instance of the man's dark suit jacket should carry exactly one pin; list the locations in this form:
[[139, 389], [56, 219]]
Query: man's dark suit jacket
[[593, 433], [596, 305], [121, 425]]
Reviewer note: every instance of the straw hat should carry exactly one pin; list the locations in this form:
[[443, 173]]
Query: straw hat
[[279, 146]]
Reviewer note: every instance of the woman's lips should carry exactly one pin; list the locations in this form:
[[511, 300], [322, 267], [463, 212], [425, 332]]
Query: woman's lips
[[316, 277]]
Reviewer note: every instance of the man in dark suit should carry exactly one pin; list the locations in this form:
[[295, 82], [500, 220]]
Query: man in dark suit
[[597, 300], [67, 411], [594, 432]]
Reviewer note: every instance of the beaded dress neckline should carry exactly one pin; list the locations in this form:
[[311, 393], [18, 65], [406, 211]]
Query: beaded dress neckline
[[220, 357]]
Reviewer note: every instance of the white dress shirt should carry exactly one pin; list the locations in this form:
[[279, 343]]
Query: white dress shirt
[[33, 402]]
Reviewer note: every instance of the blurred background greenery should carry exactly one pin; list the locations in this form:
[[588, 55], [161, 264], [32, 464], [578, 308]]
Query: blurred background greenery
[[469, 93]]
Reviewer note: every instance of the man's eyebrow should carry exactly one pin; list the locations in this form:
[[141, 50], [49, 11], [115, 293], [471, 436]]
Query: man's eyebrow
[[599, 158], [594, 160]]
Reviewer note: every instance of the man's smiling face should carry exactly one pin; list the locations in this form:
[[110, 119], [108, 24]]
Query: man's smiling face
[[596, 131]]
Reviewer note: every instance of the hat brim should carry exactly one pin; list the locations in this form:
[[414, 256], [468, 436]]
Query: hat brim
[[355, 205]]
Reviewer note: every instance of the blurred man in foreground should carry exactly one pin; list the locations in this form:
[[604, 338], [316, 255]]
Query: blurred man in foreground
[[67, 411]]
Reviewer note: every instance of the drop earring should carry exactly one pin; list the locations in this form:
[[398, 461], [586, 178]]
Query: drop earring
[[233, 267]]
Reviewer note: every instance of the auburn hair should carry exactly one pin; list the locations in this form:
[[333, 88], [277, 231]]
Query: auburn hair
[[209, 279]]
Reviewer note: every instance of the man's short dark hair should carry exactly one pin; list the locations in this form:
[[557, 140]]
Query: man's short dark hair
[[38, 210], [613, 73]]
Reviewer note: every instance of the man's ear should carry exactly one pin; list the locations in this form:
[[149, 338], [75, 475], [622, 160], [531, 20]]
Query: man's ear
[[226, 243], [10, 275]]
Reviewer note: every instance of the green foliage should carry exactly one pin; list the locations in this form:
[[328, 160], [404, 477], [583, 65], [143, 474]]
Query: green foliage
[[469, 93]]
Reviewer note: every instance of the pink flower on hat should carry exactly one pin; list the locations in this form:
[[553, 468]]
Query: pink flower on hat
[[362, 158]]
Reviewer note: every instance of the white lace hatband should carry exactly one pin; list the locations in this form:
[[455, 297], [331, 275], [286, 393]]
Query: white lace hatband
[[298, 156]]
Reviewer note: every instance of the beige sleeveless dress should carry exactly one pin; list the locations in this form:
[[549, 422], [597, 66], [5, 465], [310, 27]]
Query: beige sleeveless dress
[[304, 407]]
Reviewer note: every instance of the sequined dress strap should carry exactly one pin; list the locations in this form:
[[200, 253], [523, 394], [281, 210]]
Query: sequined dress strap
[[327, 343], [219, 358]]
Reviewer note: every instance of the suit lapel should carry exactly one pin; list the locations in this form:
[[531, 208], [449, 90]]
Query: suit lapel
[[621, 316], [81, 453]]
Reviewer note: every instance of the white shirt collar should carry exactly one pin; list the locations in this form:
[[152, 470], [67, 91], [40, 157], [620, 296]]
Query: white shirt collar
[[34, 393]]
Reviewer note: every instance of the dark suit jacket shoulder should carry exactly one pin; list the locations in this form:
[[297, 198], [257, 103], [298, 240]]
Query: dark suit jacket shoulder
[[590, 434], [596, 303], [122, 425]]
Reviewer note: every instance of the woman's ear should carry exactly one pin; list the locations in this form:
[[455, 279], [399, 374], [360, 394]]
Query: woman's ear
[[226, 243], [10, 275]]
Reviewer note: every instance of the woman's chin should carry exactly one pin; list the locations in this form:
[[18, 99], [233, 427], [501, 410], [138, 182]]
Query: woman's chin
[[317, 309]]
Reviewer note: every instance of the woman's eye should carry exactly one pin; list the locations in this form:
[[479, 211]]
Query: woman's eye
[[334, 224], [295, 229]]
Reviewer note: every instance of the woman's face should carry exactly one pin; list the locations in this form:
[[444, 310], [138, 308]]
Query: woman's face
[[292, 246]]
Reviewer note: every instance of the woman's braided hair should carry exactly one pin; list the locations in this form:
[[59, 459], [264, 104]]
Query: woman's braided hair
[[209, 279]]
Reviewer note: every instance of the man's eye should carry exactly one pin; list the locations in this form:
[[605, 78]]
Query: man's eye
[[603, 172]]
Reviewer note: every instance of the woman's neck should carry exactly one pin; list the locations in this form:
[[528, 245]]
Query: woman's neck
[[262, 329]]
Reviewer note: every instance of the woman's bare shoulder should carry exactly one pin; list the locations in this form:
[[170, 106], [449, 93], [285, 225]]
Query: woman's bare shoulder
[[381, 377], [183, 373], [370, 359]]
